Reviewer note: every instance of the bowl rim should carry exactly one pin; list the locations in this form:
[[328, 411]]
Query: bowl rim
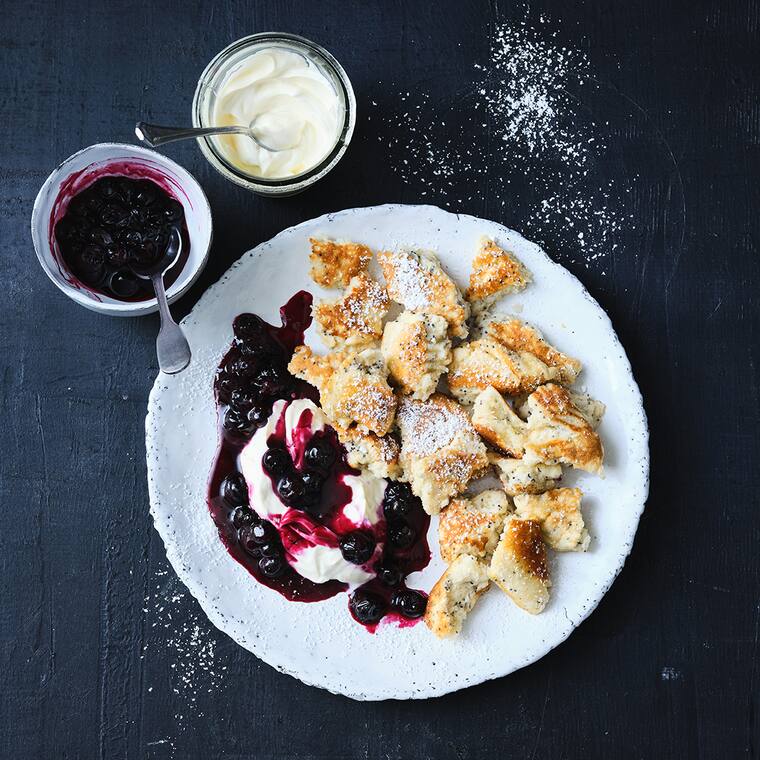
[[125, 308], [282, 186]]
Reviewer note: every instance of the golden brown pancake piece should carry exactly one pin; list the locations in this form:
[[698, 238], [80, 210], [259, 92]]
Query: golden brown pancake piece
[[334, 264]]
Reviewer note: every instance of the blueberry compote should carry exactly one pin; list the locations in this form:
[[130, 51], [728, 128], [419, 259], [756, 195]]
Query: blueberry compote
[[251, 377], [117, 223], [406, 551]]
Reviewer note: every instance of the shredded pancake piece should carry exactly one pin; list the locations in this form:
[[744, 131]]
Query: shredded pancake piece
[[440, 449], [356, 318], [417, 350], [416, 280], [482, 363], [334, 264], [559, 512], [495, 272], [353, 387], [519, 566]]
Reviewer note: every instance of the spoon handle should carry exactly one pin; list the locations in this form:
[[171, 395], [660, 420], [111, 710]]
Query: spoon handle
[[155, 135], [171, 344]]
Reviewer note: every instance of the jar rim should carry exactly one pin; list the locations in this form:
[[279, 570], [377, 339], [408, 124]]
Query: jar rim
[[283, 185]]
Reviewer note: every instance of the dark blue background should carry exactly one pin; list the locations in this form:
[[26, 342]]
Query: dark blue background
[[103, 653]]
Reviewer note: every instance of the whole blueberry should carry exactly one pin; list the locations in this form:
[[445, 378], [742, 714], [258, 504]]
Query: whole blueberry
[[258, 415], [173, 210], [241, 367], [401, 535], [124, 284], [156, 238], [146, 194], [357, 547], [225, 384], [100, 237], [117, 255], [92, 257], [398, 499], [235, 490], [409, 603], [247, 539], [313, 481], [272, 567], [242, 400], [90, 263], [271, 549], [319, 454], [114, 215], [271, 381], [243, 517], [316, 506], [291, 489], [237, 423], [367, 608], [389, 575], [276, 461], [131, 238], [263, 531]]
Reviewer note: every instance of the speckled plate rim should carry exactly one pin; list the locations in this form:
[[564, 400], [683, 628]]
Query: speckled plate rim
[[280, 658]]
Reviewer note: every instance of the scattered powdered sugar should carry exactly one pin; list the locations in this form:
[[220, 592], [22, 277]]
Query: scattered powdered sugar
[[426, 426], [541, 153], [580, 217], [182, 634], [523, 89], [670, 674]]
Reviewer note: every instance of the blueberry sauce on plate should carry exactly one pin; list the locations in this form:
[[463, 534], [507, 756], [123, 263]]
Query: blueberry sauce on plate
[[251, 377]]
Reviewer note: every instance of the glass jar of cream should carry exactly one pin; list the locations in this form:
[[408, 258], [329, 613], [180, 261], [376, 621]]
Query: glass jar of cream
[[296, 97]]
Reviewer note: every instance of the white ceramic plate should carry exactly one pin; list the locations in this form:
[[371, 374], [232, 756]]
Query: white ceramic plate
[[319, 643]]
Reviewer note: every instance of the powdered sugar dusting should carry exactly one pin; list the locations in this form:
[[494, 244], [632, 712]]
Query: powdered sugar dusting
[[358, 313], [459, 468], [186, 638], [582, 218], [523, 89], [388, 449], [365, 307], [426, 426], [406, 282], [372, 406], [524, 99]]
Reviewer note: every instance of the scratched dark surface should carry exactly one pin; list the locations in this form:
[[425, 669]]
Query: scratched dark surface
[[102, 652]]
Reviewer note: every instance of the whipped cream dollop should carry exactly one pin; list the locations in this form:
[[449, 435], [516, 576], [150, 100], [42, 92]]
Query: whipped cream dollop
[[312, 547], [291, 106]]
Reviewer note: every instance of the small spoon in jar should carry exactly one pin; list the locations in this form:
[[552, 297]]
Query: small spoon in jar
[[155, 135], [172, 347]]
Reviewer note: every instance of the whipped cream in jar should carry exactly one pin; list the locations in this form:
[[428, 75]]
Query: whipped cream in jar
[[297, 100]]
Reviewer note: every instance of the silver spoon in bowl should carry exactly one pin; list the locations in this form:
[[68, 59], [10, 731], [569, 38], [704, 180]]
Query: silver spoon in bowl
[[155, 135], [172, 347]]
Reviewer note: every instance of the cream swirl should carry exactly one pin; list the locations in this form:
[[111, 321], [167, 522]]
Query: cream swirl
[[292, 107], [312, 547]]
